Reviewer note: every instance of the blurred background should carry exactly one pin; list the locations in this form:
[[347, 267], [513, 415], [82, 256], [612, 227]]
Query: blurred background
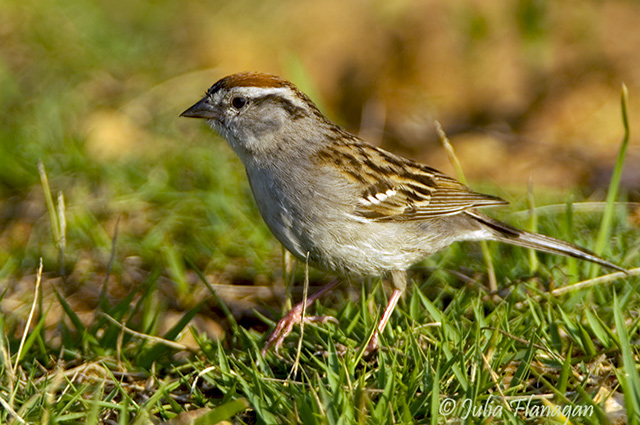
[[527, 91]]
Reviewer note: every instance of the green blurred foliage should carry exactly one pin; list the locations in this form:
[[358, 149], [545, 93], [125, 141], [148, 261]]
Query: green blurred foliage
[[93, 89]]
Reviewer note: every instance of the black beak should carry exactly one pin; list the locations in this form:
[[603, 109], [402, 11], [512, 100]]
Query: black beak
[[202, 109]]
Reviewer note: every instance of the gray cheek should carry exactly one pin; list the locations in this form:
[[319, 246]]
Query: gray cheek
[[268, 124]]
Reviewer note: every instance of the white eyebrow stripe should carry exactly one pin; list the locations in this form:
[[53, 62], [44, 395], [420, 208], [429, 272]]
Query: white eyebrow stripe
[[255, 92]]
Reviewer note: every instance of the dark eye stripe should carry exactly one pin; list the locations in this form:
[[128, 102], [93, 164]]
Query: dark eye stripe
[[294, 111]]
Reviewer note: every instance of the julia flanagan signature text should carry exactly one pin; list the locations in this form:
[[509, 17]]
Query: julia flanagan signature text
[[525, 407]]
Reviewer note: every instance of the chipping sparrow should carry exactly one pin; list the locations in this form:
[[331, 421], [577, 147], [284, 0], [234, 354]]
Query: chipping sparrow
[[351, 207]]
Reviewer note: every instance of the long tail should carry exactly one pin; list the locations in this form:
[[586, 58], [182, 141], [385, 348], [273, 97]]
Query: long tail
[[515, 236]]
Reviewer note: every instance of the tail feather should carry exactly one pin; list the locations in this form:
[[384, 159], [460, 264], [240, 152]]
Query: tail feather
[[515, 236]]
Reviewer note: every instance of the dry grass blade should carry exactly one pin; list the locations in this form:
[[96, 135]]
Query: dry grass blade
[[526, 342], [296, 364], [608, 278], [496, 380], [595, 281], [30, 318], [62, 222], [453, 158], [451, 153], [200, 375], [587, 207], [152, 338], [12, 412]]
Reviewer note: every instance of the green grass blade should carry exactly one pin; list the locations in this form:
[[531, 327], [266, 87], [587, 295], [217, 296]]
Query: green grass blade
[[53, 215], [94, 410], [75, 320], [598, 329], [630, 375], [176, 269], [223, 412], [533, 226], [35, 333], [222, 304], [523, 368], [435, 397], [151, 355], [614, 185], [173, 333], [565, 372]]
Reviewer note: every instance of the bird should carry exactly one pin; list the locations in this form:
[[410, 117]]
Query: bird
[[342, 204]]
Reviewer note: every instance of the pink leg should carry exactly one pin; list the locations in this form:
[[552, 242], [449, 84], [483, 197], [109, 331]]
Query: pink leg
[[373, 343], [399, 280], [294, 316]]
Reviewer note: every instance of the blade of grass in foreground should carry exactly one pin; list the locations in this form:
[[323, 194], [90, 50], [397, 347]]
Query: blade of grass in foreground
[[453, 158], [533, 225], [222, 304], [223, 412], [75, 320], [150, 356], [435, 396], [614, 185], [629, 378]]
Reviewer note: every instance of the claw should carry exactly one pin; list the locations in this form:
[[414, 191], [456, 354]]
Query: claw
[[285, 326], [294, 316], [372, 347]]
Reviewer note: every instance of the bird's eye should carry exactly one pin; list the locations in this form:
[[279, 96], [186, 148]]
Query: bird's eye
[[238, 102]]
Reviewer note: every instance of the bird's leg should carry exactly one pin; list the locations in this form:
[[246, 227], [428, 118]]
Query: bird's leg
[[399, 280], [294, 316]]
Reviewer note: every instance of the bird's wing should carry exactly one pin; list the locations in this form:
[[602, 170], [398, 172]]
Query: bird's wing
[[396, 188]]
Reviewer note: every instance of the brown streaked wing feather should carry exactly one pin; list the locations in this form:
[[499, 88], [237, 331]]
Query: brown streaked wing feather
[[450, 197], [411, 191]]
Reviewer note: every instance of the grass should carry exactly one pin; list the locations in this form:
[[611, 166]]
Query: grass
[[459, 345], [453, 349]]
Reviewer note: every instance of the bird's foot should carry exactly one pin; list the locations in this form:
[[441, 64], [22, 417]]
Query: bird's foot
[[294, 316], [372, 346], [285, 326]]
